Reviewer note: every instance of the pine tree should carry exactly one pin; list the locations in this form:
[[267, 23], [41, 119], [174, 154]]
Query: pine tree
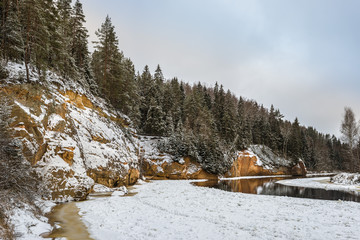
[[55, 46], [229, 118], [144, 85], [285, 133], [106, 58], [275, 132], [35, 34], [155, 124], [67, 62], [128, 92], [218, 107], [295, 140], [12, 44], [79, 47]]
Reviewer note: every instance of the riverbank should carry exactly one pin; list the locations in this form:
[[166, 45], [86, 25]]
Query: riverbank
[[320, 183], [179, 210]]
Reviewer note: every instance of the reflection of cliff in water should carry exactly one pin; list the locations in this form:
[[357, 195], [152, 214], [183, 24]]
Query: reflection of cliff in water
[[268, 186]]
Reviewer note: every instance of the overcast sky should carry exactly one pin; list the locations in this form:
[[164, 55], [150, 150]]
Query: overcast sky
[[302, 56]]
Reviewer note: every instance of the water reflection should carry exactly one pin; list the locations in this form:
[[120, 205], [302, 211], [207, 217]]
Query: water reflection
[[268, 186]]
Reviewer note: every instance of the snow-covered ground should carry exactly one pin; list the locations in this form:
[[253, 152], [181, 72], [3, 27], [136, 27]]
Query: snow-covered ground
[[179, 210], [320, 182], [347, 178], [27, 225]]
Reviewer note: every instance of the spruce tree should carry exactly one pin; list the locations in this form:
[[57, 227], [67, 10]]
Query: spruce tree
[[229, 118], [295, 144], [67, 62], [144, 85], [155, 124], [79, 43], [106, 58], [35, 34]]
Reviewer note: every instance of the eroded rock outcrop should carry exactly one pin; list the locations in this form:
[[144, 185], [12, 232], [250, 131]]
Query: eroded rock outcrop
[[71, 137], [261, 161], [156, 165]]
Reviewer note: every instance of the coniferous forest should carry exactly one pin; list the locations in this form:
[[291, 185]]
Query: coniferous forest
[[208, 123]]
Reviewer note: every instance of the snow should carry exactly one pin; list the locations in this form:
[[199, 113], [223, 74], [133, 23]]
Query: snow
[[153, 156], [53, 120], [347, 178], [28, 112], [96, 141], [99, 188], [29, 226], [149, 148], [266, 158], [179, 210], [321, 183]]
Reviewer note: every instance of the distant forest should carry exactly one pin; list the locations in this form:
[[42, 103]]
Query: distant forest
[[209, 124]]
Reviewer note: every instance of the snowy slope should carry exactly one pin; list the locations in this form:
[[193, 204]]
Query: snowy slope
[[267, 159], [71, 137]]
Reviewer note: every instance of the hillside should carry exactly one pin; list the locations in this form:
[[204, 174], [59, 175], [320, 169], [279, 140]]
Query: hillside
[[74, 139], [71, 137]]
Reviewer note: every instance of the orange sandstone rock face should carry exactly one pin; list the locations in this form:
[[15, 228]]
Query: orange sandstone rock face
[[299, 169], [188, 169], [73, 140], [246, 164]]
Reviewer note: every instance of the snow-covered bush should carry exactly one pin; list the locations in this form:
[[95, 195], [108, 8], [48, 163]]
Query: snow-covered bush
[[346, 178]]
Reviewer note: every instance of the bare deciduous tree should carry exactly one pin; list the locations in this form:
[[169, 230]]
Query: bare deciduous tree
[[285, 132], [349, 128], [350, 132]]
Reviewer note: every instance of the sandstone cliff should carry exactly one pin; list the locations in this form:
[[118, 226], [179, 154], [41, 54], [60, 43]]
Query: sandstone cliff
[[71, 137], [256, 161], [261, 161]]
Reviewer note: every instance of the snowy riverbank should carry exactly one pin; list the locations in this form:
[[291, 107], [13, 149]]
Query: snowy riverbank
[[320, 182], [179, 210]]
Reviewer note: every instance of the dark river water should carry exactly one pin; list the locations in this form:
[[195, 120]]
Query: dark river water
[[268, 186]]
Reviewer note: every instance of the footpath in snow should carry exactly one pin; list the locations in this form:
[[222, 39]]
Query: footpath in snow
[[179, 210]]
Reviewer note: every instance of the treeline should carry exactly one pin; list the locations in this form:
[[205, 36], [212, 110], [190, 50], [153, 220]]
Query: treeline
[[211, 125], [45, 35], [208, 123]]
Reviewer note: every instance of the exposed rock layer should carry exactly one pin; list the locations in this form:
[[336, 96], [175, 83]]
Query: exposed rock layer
[[72, 138], [248, 164]]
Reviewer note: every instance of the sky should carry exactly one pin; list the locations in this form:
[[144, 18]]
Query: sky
[[301, 56]]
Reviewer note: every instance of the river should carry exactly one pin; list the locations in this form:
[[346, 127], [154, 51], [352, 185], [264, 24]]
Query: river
[[270, 186]]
